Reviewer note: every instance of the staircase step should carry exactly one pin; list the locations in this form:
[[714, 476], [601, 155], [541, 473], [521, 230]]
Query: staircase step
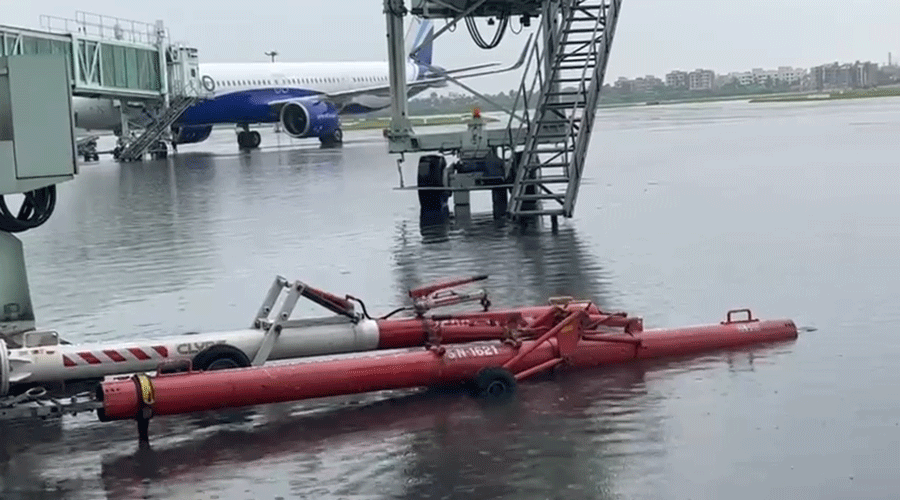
[[550, 179], [579, 67], [558, 211], [558, 135], [544, 196], [564, 105], [580, 42], [565, 92], [573, 58], [545, 151], [555, 165], [561, 121]]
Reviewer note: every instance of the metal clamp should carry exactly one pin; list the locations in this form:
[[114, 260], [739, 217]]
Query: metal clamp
[[145, 396]]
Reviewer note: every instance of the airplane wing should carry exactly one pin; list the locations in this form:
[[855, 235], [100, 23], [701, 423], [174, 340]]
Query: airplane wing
[[340, 99]]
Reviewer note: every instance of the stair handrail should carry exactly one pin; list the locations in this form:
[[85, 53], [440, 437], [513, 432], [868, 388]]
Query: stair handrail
[[609, 13]]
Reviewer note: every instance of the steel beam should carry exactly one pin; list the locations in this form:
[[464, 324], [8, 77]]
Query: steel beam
[[400, 129]]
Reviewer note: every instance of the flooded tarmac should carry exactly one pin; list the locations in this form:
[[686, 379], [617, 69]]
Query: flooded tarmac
[[685, 212]]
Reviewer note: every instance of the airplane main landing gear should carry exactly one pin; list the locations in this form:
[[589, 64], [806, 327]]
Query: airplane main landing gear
[[248, 139], [159, 150], [335, 138]]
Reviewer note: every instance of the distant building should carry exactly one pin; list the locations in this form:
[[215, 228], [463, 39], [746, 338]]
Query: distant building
[[843, 76], [784, 75], [889, 74], [646, 83], [830, 76], [789, 75], [742, 78], [623, 84], [677, 79], [701, 79], [865, 75]]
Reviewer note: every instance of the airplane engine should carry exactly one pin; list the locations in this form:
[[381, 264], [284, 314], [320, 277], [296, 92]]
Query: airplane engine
[[191, 134], [309, 119]]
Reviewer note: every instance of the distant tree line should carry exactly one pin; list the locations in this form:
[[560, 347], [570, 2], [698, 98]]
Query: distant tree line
[[457, 103]]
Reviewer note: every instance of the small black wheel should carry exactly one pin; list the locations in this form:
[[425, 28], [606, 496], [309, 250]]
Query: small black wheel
[[495, 384], [220, 357], [332, 140]]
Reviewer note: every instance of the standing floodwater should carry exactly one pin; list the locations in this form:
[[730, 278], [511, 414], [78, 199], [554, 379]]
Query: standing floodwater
[[686, 211]]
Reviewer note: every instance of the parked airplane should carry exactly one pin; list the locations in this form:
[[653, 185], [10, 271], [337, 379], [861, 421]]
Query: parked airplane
[[307, 99]]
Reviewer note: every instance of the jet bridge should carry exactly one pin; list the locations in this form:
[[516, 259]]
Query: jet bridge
[[534, 165], [107, 57], [131, 62]]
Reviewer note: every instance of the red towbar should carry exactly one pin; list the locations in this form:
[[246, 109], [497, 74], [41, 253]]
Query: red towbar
[[578, 339]]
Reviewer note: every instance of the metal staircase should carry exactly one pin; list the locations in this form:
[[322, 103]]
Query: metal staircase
[[569, 73], [135, 149]]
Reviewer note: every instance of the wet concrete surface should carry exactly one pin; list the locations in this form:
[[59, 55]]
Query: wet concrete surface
[[686, 211]]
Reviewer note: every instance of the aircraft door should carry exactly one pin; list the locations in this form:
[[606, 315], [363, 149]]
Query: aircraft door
[[184, 73]]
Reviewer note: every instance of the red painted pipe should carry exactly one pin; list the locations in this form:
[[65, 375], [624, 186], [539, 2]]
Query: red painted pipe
[[192, 392], [423, 291], [471, 327]]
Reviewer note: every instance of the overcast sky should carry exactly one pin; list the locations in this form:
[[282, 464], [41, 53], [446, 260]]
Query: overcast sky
[[652, 37]]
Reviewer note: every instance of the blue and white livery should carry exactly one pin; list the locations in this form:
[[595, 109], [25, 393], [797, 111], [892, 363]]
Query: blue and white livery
[[306, 99]]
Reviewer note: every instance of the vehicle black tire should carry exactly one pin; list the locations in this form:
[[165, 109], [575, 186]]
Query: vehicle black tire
[[431, 174], [494, 384], [220, 357]]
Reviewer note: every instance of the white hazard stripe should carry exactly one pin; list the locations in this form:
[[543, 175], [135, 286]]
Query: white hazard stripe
[[108, 356]]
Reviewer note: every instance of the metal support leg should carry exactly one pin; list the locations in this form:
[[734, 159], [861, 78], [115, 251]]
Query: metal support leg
[[16, 311], [461, 205], [124, 121], [143, 426], [400, 128], [265, 347], [499, 202], [269, 302]]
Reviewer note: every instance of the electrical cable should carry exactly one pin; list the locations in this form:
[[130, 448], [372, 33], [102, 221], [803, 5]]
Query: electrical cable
[[521, 27], [479, 40], [35, 210]]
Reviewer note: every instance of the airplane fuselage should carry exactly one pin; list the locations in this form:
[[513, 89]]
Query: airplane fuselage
[[240, 93]]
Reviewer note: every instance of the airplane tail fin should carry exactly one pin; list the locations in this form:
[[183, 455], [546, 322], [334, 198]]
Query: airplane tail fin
[[422, 52]]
